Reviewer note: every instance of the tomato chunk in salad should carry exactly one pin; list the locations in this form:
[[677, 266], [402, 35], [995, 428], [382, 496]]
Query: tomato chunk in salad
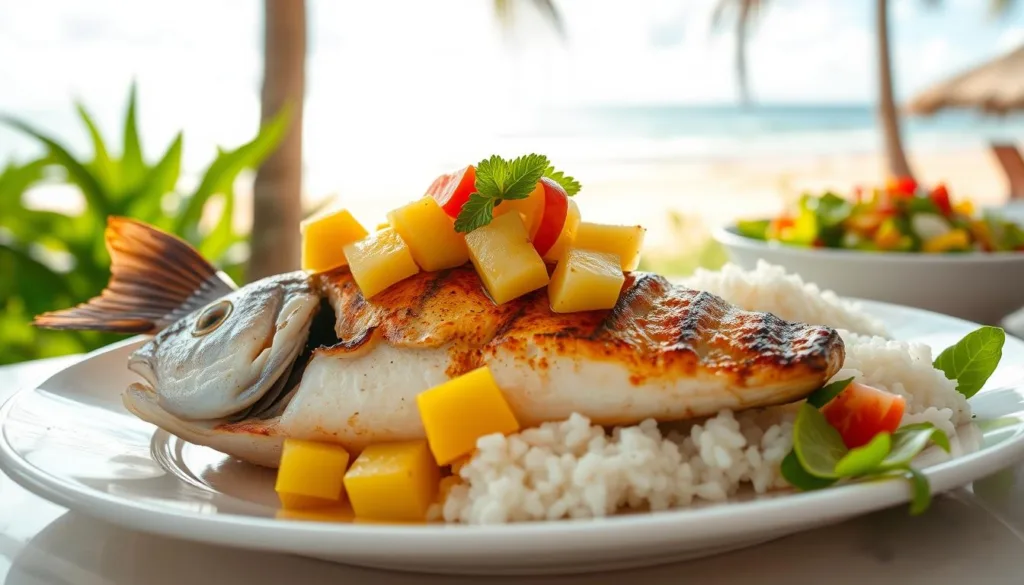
[[860, 412]]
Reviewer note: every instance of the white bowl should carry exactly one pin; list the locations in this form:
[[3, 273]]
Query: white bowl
[[983, 287]]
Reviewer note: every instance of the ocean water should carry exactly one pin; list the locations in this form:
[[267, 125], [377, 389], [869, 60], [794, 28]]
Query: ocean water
[[731, 131], [352, 151]]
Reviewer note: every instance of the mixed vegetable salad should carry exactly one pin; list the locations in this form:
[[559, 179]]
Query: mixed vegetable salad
[[902, 216]]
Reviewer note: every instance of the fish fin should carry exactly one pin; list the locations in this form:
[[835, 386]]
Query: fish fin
[[155, 279]]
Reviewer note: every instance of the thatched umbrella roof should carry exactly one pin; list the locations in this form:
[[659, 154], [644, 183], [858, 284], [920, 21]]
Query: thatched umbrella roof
[[995, 87]]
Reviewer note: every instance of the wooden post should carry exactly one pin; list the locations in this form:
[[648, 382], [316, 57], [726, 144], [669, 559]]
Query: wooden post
[[277, 191]]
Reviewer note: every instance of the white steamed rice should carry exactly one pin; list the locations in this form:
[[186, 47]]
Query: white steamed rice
[[573, 469]]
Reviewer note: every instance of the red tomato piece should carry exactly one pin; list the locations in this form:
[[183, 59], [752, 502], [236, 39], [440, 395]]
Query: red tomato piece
[[452, 194], [940, 196], [556, 209], [860, 412], [439, 183], [906, 186]]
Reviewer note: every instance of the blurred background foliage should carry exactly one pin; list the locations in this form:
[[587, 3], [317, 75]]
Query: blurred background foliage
[[52, 260]]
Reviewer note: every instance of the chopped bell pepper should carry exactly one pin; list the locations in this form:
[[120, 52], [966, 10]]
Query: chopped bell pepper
[[953, 240]]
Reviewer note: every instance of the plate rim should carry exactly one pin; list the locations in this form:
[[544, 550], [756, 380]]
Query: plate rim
[[717, 520]]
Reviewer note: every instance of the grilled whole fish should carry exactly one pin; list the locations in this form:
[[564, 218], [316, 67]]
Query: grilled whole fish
[[307, 356]]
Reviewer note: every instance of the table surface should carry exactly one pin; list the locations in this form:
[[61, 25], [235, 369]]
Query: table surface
[[975, 535]]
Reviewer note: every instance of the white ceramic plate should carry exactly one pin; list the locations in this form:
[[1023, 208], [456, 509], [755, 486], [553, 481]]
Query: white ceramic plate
[[70, 441]]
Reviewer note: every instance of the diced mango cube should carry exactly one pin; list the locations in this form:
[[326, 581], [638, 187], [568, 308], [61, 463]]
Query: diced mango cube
[[393, 482], [430, 235], [379, 261], [339, 512], [460, 411], [531, 208], [505, 259], [586, 280], [624, 241], [300, 502], [311, 474], [324, 237], [567, 237]]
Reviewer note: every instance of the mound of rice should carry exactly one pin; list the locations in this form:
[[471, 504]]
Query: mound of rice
[[770, 289], [573, 469]]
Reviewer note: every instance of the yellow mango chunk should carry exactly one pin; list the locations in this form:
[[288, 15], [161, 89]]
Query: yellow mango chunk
[[624, 241], [379, 261], [506, 261], [568, 236], [337, 513], [586, 280], [324, 237], [430, 235], [311, 474], [393, 482], [531, 208], [460, 411], [300, 502]]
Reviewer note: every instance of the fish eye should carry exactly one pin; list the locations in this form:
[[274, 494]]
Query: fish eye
[[211, 318]]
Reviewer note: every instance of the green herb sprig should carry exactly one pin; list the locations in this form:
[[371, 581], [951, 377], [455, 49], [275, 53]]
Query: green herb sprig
[[819, 457], [498, 179], [973, 359]]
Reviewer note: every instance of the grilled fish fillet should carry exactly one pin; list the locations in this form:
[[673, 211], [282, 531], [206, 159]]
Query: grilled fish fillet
[[665, 352]]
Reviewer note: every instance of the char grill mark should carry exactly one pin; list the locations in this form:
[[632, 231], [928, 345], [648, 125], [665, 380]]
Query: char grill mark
[[655, 327], [700, 321], [432, 289], [638, 298]]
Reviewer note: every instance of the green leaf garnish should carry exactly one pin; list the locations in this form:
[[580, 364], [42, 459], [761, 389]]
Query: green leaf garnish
[[973, 359], [818, 445], [490, 176], [819, 457], [571, 185], [523, 174], [498, 179], [909, 441], [477, 212], [798, 477], [826, 393], [920, 490], [863, 460]]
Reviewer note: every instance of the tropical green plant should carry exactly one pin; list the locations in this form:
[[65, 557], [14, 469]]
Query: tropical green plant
[[58, 258]]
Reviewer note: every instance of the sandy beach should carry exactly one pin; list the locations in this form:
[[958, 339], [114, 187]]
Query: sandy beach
[[713, 191]]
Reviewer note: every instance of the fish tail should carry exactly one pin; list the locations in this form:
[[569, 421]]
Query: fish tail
[[155, 279]]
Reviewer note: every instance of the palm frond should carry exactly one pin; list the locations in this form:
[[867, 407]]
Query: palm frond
[[505, 11]]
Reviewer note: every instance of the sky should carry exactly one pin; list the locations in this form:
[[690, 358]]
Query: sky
[[428, 67]]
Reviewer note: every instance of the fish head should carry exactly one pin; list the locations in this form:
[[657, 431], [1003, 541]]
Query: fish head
[[223, 358]]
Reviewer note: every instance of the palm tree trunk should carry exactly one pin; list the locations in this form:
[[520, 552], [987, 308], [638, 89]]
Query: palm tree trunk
[[277, 192], [741, 52], [896, 159]]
